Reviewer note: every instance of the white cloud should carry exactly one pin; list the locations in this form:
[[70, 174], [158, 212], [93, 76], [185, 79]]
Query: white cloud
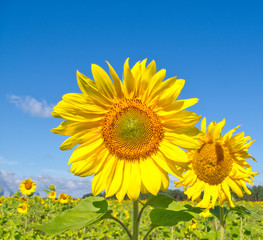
[[7, 162], [32, 106], [9, 183]]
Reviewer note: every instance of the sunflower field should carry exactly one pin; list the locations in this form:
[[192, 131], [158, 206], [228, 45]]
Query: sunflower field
[[20, 215]]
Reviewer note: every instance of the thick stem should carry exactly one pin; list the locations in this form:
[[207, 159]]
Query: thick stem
[[135, 220], [222, 224], [124, 227]]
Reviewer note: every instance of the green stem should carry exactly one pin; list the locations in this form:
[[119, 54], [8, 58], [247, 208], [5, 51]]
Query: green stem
[[135, 220], [241, 228], [222, 224], [124, 227], [147, 234]]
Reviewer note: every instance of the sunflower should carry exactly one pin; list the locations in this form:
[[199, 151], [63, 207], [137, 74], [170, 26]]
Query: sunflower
[[22, 208], [63, 198], [52, 194], [218, 166], [129, 131], [27, 187]]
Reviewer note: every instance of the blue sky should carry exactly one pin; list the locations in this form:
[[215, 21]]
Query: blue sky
[[215, 46]]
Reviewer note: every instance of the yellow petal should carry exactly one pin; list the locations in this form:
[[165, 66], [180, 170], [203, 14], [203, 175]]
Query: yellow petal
[[150, 175], [235, 187], [117, 179], [72, 127], [218, 129], [85, 150], [88, 87], [182, 140], [203, 125], [116, 82], [168, 96], [101, 179], [79, 138], [103, 82], [126, 181], [135, 182], [129, 82], [173, 153], [169, 168]]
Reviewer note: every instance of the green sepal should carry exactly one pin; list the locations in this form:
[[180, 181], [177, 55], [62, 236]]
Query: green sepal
[[87, 212]]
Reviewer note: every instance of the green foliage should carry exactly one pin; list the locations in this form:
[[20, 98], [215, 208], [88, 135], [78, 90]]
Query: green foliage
[[87, 212]]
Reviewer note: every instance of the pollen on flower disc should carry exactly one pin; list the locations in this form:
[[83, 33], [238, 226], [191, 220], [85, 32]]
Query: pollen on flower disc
[[131, 130], [212, 163]]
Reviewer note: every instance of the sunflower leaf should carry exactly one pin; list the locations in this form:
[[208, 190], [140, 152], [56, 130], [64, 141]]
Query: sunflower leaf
[[165, 202], [216, 211], [163, 217], [87, 212], [245, 211]]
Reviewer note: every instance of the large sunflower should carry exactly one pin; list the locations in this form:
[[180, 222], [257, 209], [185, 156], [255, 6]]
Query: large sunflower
[[129, 131], [218, 166]]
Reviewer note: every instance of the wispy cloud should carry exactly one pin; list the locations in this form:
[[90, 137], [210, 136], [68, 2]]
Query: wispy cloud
[[7, 162], [31, 105]]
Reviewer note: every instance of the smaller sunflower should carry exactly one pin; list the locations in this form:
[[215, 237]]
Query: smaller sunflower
[[52, 195], [27, 187], [218, 166], [63, 198], [22, 208]]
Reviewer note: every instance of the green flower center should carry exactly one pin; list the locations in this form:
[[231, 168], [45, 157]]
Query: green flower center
[[131, 130]]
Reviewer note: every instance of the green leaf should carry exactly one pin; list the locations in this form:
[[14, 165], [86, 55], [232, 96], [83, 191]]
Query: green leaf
[[47, 191], [164, 201], [163, 217], [87, 212], [245, 211], [216, 211]]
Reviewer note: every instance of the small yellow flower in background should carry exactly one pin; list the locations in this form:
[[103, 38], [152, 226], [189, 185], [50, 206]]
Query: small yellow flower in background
[[193, 225], [27, 187], [23, 199], [218, 166], [22, 208], [63, 198], [52, 195], [128, 131], [127, 214]]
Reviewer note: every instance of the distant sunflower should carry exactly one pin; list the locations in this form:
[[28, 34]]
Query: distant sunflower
[[218, 166], [63, 198], [22, 208], [52, 194], [129, 131], [27, 187]]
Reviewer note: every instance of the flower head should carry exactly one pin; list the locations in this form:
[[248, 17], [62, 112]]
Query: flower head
[[63, 198], [129, 131], [218, 166], [52, 194], [27, 187], [22, 208]]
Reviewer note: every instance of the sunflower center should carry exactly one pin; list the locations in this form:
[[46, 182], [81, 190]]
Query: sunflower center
[[212, 163], [28, 185], [131, 130]]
